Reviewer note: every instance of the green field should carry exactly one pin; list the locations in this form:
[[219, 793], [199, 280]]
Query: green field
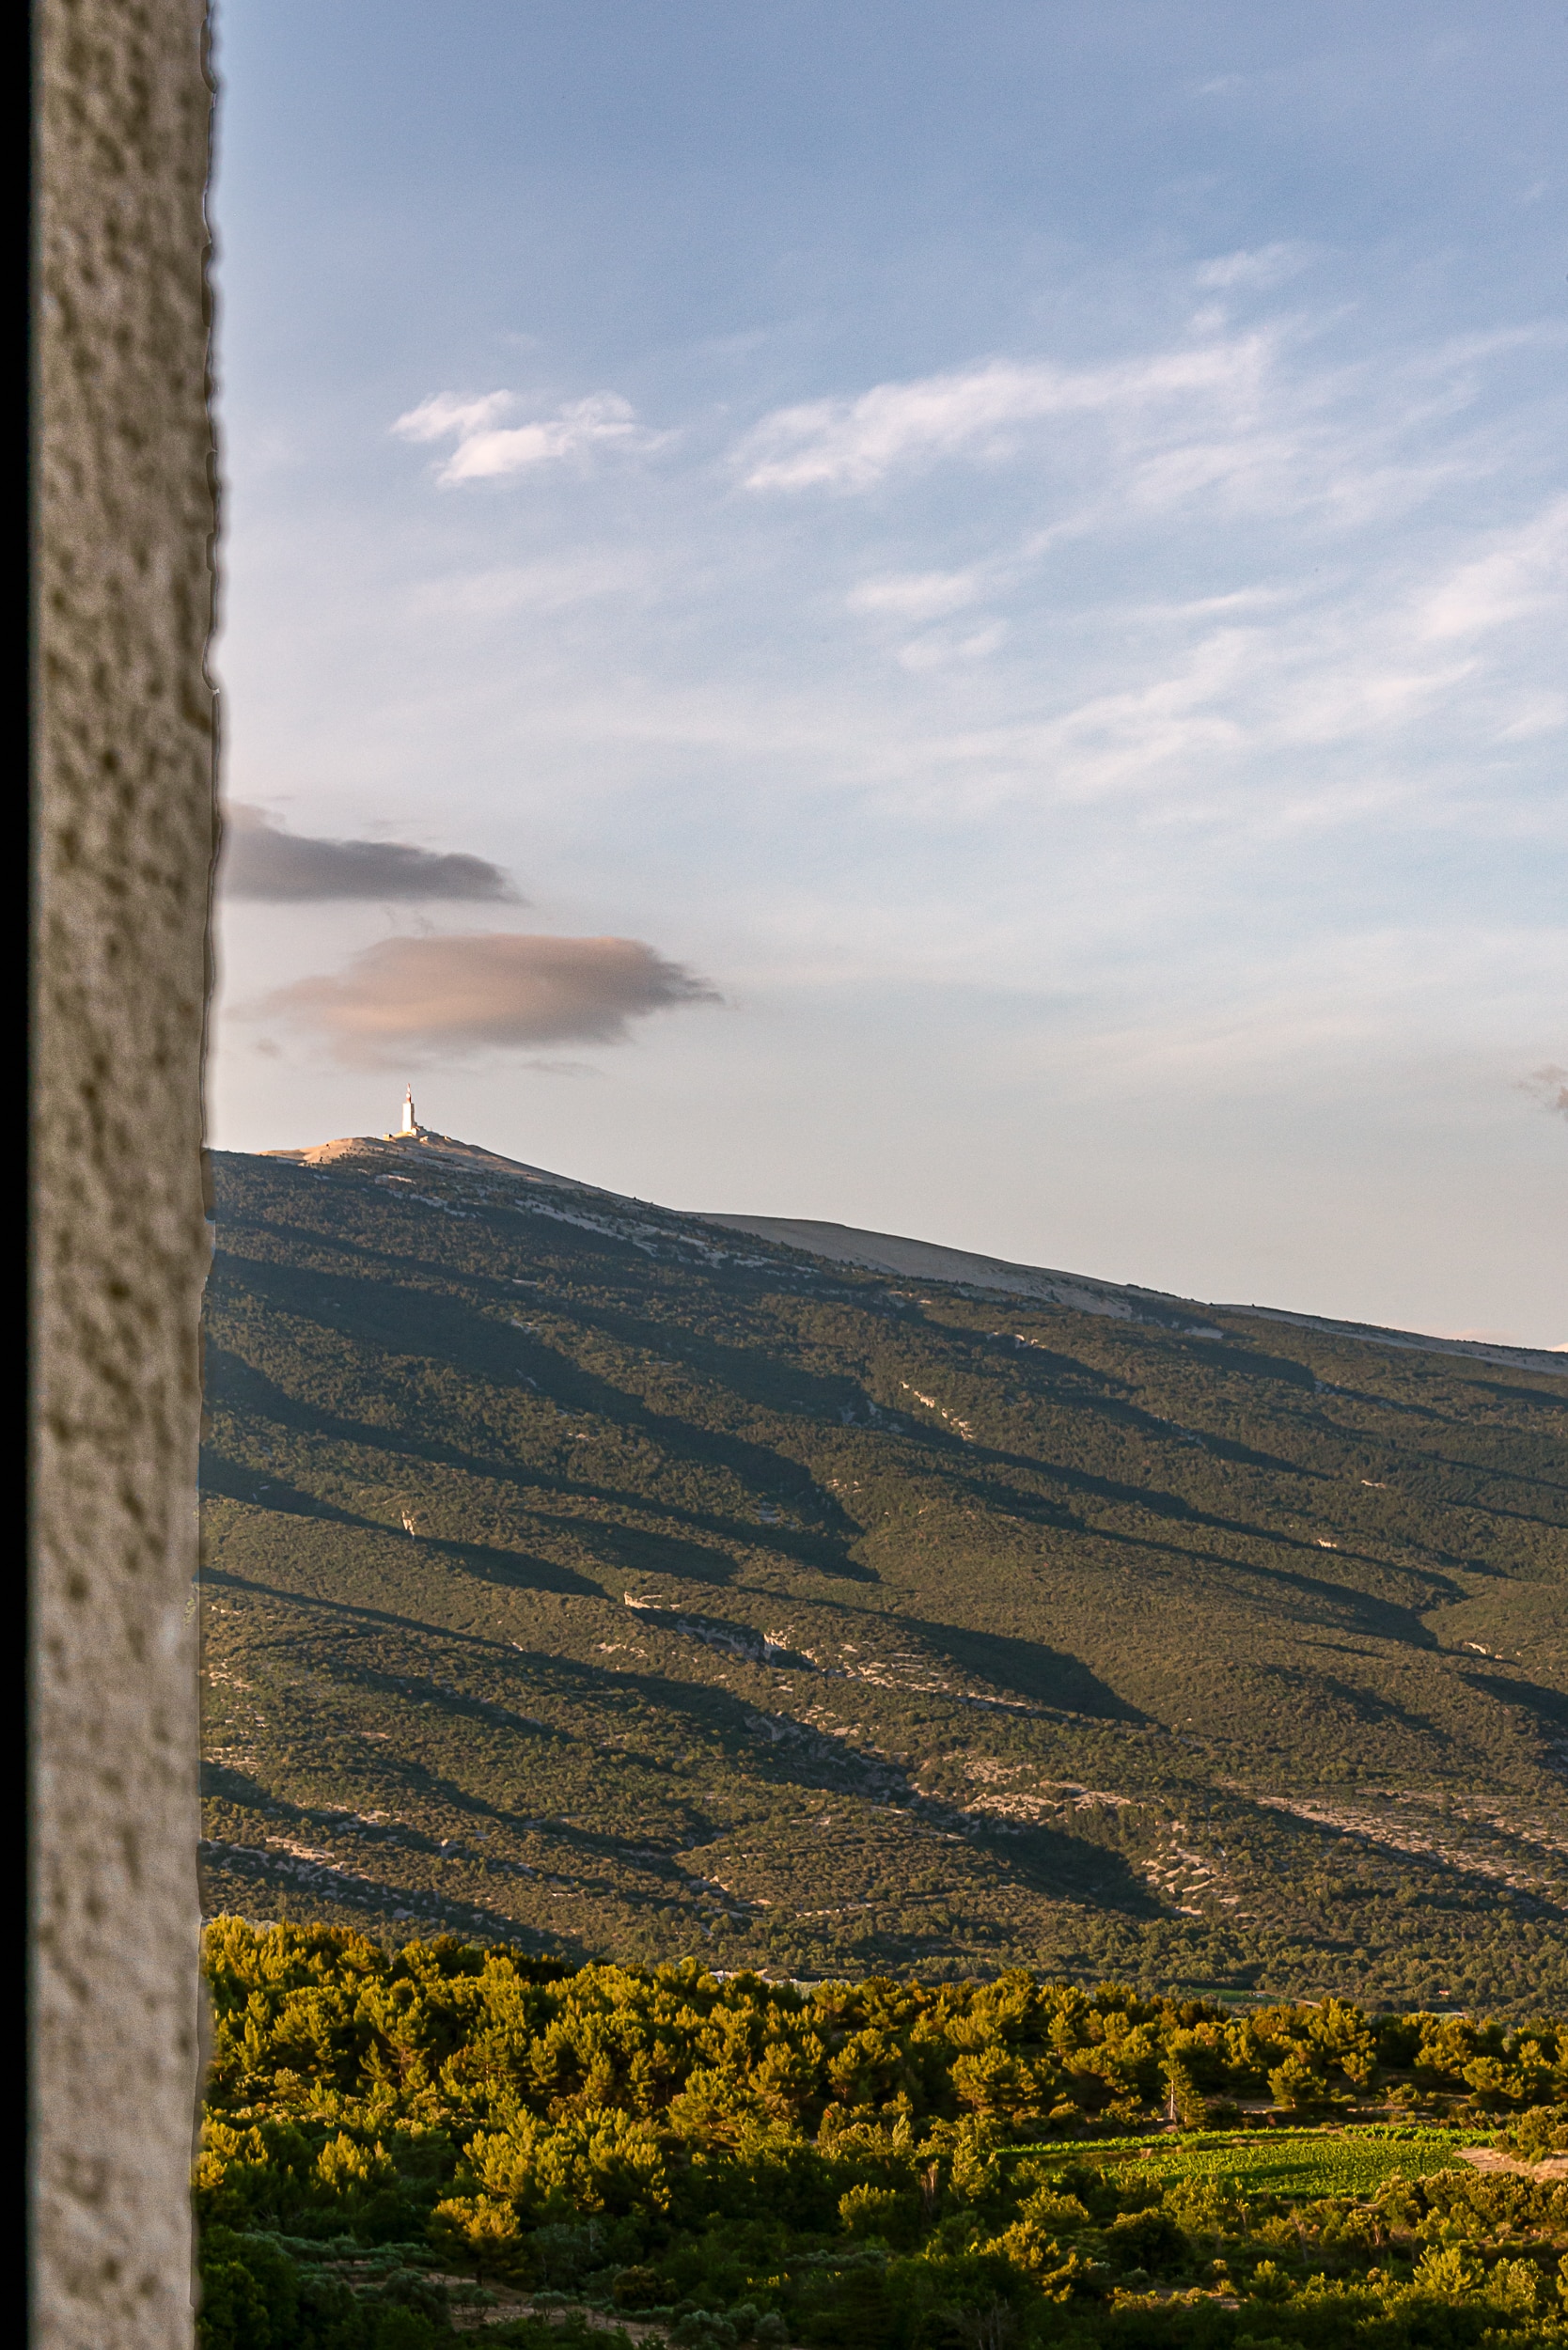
[[1354, 2161]]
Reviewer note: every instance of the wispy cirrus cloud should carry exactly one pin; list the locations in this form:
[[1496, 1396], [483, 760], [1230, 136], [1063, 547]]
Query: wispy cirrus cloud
[[978, 411], [1523, 572], [906, 596], [1289, 706], [409, 999], [1251, 423], [1254, 270], [1367, 647], [489, 450]]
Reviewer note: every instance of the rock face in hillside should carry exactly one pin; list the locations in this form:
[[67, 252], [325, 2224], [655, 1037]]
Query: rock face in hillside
[[621, 1582]]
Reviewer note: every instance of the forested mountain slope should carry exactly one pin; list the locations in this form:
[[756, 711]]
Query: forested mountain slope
[[624, 1584]]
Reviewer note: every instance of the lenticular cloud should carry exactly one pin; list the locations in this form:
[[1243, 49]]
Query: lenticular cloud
[[475, 991]]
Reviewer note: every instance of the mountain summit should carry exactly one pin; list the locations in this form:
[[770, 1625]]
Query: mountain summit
[[618, 1581]]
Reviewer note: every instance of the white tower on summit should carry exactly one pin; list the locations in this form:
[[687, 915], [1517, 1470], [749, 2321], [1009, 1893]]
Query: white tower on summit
[[410, 1125]]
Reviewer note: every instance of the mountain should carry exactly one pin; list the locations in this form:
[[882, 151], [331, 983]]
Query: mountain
[[621, 1582]]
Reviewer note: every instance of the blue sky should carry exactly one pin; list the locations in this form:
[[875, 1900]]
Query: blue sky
[[993, 574]]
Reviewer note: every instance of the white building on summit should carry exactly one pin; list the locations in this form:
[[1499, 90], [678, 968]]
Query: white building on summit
[[411, 1129]]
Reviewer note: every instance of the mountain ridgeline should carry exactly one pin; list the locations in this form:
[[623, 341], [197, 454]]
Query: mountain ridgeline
[[620, 1584]]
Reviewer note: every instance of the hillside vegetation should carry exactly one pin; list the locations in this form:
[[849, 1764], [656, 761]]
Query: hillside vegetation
[[395, 2141], [608, 1584]]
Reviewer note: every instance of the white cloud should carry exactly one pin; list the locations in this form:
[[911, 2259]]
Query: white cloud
[[1283, 709], [941, 650], [1243, 424], [1542, 714], [488, 450], [1524, 572], [978, 411], [1257, 271], [448, 411], [915, 595]]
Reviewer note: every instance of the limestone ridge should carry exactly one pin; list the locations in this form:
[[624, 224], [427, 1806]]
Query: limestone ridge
[[896, 1253]]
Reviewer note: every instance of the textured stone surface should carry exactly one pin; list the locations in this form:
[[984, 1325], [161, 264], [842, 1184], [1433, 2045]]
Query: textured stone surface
[[123, 842]]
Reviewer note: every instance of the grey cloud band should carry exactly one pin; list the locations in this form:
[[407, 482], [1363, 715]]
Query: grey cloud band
[[261, 860]]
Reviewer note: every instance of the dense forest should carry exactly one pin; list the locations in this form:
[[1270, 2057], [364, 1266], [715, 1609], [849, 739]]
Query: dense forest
[[592, 1580], [401, 2142]]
